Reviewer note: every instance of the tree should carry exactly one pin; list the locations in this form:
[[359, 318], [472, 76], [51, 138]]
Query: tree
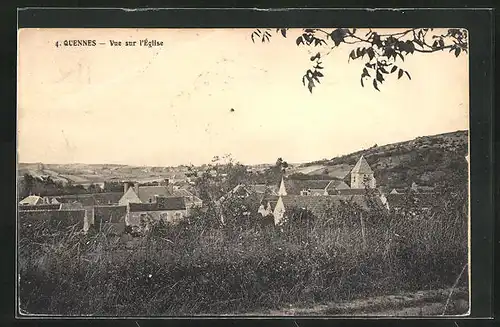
[[94, 188], [383, 53], [218, 178]]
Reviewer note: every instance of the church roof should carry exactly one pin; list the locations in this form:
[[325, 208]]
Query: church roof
[[362, 167]]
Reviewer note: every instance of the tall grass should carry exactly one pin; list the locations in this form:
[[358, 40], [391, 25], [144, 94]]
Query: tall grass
[[197, 267]]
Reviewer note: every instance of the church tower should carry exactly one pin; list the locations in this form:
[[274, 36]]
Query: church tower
[[362, 175]]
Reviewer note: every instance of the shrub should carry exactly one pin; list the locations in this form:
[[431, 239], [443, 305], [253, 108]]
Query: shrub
[[201, 267]]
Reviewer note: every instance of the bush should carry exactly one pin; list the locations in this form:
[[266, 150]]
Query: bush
[[201, 267]]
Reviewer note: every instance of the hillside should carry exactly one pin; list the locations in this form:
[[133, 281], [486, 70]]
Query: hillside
[[425, 160], [85, 174]]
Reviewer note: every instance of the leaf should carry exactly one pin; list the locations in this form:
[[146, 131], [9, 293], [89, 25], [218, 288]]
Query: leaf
[[457, 52], [365, 72], [401, 56], [352, 55], [394, 68], [299, 40], [362, 84], [316, 56], [410, 46], [371, 53], [383, 70], [319, 74], [283, 32], [310, 85], [375, 85], [408, 74], [400, 73], [380, 78]]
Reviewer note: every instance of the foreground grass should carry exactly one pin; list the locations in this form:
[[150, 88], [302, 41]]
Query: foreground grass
[[194, 268]]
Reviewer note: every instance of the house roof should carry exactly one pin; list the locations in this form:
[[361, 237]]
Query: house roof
[[294, 186], [259, 188], [269, 198], [182, 192], [29, 207], [91, 199], [362, 167], [337, 184], [31, 200], [147, 193], [110, 213], [353, 191], [163, 204], [319, 204], [71, 206]]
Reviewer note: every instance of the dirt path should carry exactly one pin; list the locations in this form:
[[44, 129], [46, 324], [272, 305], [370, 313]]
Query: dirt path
[[423, 303]]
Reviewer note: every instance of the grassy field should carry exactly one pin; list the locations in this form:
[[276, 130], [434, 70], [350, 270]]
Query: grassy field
[[197, 267]]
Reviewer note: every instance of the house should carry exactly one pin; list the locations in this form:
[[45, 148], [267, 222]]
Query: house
[[362, 175], [149, 194], [244, 191], [57, 219], [29, 207], [168, 209], [311, 187], [75, 205], [32, 200], [89, 200], [319, 205], [267, 205], [110, 218]]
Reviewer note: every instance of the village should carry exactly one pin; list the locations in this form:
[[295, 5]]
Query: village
[[139, 204]]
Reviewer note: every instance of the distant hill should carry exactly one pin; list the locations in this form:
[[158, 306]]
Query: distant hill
[[425, 160]]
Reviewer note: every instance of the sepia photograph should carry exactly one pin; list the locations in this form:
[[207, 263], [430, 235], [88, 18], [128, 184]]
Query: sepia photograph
[[248, 172]]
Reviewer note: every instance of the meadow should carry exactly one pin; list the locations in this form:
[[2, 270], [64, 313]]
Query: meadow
[[199, 267]]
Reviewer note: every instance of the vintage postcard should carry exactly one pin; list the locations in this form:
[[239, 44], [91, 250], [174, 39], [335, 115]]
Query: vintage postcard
[[243, 172]]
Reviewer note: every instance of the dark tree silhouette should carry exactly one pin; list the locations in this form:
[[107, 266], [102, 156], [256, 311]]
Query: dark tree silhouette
[[383, 53]]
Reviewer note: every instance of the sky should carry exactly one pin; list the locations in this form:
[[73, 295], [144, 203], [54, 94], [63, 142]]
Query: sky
[[171, 105]]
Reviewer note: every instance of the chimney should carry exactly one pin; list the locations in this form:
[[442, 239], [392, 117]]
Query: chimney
[[136, 188], [125, 187]]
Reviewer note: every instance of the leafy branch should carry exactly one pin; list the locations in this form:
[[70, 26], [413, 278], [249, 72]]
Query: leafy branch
[[384, 54]]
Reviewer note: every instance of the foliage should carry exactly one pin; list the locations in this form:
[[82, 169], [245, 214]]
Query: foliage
[[112, 186], [382, 53], [426, 160], [218, 178], [302, 176], [202, 267], [44, 186]]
